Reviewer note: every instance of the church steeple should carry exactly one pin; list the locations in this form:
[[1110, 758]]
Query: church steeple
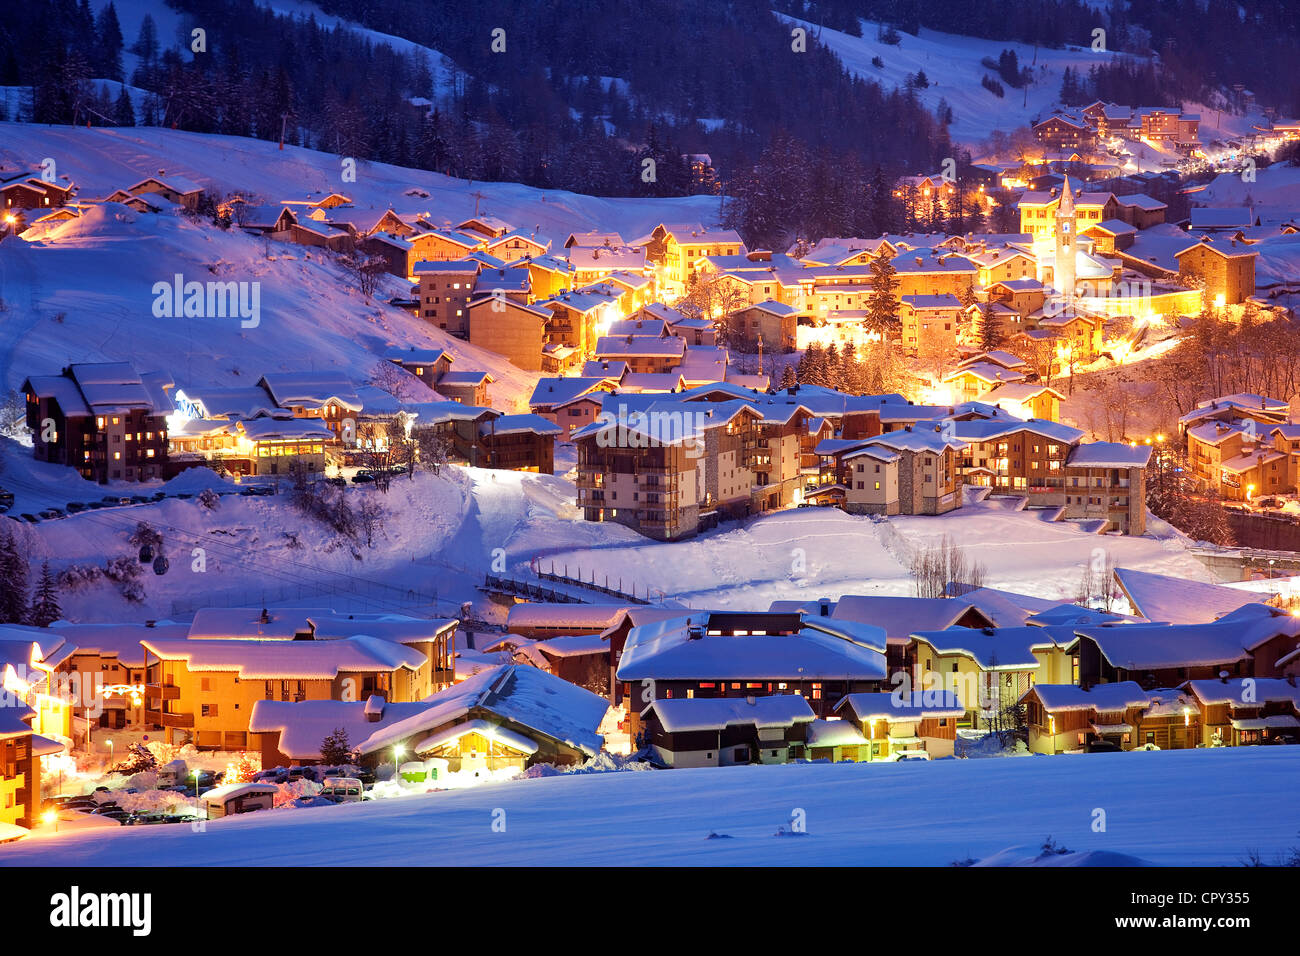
[[1063, 268]]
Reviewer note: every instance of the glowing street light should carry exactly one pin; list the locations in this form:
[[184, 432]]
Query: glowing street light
[[52, 818], [397, 753]]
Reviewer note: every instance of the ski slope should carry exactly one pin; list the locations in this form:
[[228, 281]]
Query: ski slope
[[952, 64]]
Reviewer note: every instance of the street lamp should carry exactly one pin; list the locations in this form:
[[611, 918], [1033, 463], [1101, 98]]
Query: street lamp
[[52, 817], [196, 783], [110, 751], [397, 753]]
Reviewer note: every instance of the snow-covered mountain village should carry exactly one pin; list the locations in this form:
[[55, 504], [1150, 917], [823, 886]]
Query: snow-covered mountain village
[[492, 460]]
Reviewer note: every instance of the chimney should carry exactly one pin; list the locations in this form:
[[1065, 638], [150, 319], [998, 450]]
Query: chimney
[[824, 607], [751, 701], [1223, 677]]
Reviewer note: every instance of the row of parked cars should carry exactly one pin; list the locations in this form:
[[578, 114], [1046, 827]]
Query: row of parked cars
[[110, 810], [118, 501]]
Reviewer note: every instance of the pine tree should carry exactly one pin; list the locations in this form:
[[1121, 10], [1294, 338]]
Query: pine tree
[[13, 581], [882, 315], [832, 360], [335, 749], [789, 378], [990, 329], [146, 44], [45, 604], [123, 114], [108, 55]]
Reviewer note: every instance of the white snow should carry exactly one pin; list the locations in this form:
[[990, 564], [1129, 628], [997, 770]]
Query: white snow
[[1165, 807]]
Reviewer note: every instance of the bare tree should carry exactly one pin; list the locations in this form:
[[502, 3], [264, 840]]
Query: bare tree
[[935, 565]]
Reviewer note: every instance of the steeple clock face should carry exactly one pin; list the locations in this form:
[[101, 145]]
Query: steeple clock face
[[1065, 227]]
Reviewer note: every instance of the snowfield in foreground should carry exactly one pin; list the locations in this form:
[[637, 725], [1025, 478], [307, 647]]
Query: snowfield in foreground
[[1171, 808]]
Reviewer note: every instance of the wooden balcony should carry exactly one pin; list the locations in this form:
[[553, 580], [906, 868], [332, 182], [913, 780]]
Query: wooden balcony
[[163, 691], [169, 720]]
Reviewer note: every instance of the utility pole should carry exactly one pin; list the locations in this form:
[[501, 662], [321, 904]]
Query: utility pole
[[284, 120]]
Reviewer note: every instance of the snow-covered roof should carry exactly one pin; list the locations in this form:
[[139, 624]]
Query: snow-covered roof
[[310, 389], [1109, 454], [833, 733], [899, 617], [519, 693], [640, 345], [686, 714], [919, 705], [573, 645], [391, 627], [997, 648], [591, 618], [288, 660], [682, 649], [1102, 697], [1158, 646], [120, 640], [1160, 597], [1245, 691], [232, 790], [302, 726], [518, 425]]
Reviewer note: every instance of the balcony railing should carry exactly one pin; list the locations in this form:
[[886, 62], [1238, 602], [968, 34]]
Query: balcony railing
[[169, 720]]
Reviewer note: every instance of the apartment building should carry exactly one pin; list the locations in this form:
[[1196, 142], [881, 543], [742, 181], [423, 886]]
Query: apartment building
[[666, 467], [204, 690], [106, 420], [444, 290]]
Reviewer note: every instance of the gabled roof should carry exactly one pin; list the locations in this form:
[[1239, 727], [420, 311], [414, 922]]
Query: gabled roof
[[1162, 646], [287, 660], [521, 694], [900, 616], [918, 705], [556, 392], [1121, 695], [714, 713], [1107, 454], [997, 648], [681, 649], [304, 725], [1159, 597]]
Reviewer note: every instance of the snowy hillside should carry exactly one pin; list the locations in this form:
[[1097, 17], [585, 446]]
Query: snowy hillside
[[952, 65], [83, 293], [1164, 808], [101, 160]]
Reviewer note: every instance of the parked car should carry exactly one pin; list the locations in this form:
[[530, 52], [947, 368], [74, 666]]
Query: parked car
[[76, 506], [338, 481], [1103, 747], [343, 790], [158, 495], [1283, 739], [30, 518], [140, 499], [184, 495], [362, 477], [51, 513]]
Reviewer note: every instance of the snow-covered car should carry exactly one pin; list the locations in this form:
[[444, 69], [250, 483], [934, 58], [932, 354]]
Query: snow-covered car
[[75, 506], [343, 790]]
